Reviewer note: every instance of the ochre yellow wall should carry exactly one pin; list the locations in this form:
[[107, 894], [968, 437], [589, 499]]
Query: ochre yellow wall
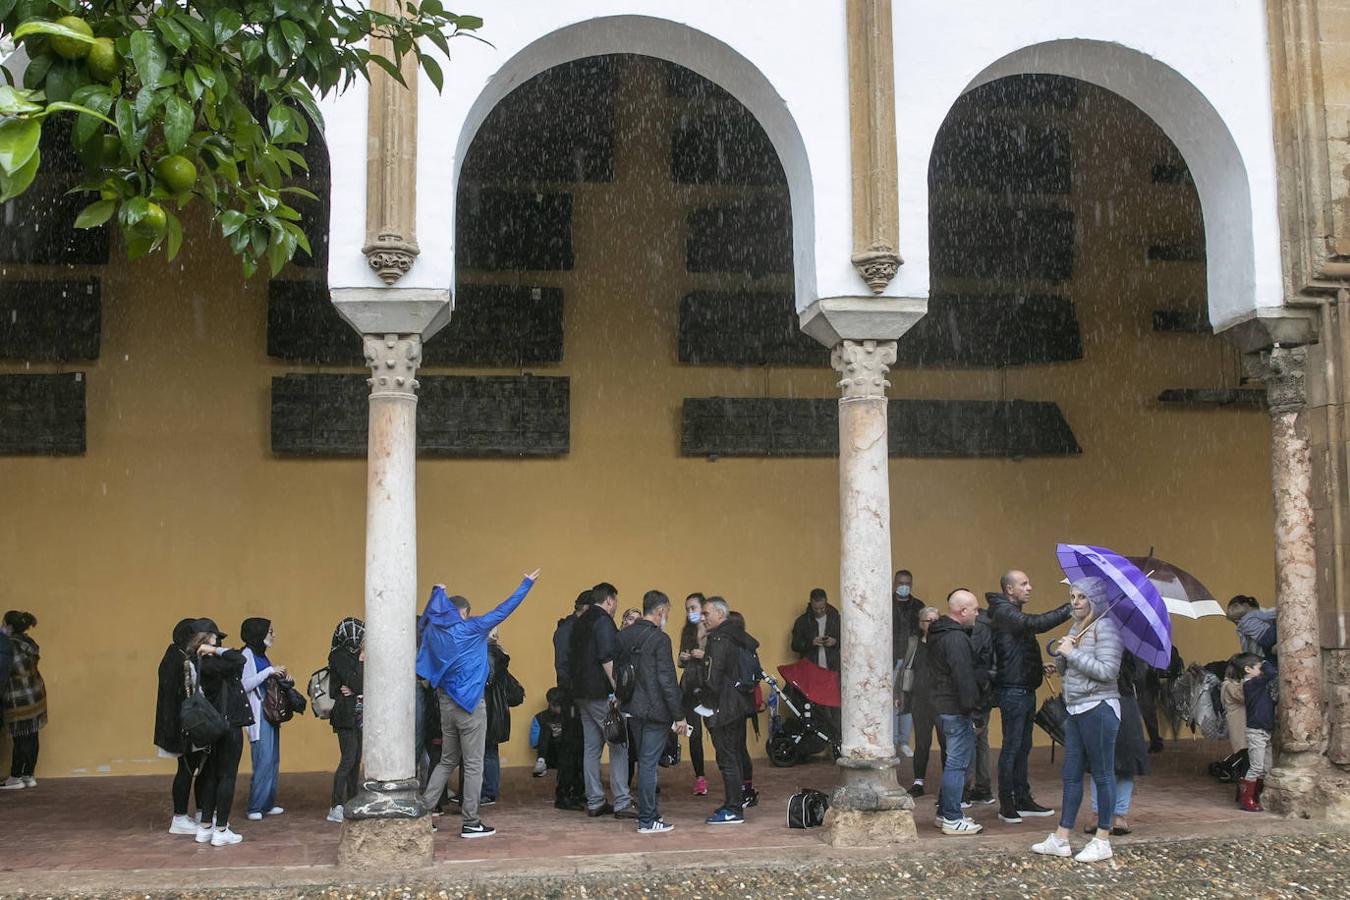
[[179, 509]]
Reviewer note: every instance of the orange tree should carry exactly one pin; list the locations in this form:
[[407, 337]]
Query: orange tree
[[197, 102]]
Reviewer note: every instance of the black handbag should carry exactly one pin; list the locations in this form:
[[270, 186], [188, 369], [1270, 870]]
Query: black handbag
[[201, 722], [298, 702], [806, 809], [670, 756], [616, 729]]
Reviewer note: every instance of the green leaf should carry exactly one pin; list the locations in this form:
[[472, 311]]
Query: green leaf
[[389, 67], [226, 24], [251, 52], [300, 192], [18, 143], [137, 246], [294, 35], [133, 210], [276, 47], [132, 133], [17, 101], [37, 70], [193, 84], [6, 7], [99, 102], [66, 106], [12, 186], [201, 31], [177, 123], [467, 23], [231, 220], [41, 26], [433, 70], [205, 73], [278, 122], [149, 56], [95, 214], [173, 236], [175, 35], [64, 79]]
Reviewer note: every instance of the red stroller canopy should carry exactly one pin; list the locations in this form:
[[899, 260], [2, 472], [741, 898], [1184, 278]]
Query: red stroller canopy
[[820, 686]]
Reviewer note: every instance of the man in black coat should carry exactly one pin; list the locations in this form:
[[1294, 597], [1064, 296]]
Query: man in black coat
[[730, 705], [956, 697], [979, 787], [570, 792], [656, 705], [815, 634], [590, 662], [1019, 673]]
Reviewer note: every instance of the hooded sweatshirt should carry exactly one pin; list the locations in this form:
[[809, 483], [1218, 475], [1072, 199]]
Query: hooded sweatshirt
[[172, 691], [454, 653], [257, 668]]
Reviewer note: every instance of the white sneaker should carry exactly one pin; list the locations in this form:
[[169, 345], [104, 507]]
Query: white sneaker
[[1095, 851], [204, 833], [275, 811], [1054, 845], [255, 817], [13, 784], [29, 781], [961, 827], [182, 825], [198, 817], [220, 837], [335, 814], [540, 767]]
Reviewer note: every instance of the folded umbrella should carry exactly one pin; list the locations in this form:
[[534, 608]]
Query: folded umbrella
[[1133, 602]]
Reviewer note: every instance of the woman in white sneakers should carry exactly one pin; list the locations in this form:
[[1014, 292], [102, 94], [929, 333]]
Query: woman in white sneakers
[[1089, 660], [264, 737]]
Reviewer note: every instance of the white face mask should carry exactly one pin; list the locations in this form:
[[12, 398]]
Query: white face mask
[[902, 591], [695, 617], [267, 641]]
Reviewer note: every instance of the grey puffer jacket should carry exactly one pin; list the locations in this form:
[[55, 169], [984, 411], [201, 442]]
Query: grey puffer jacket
[[1091, 668]]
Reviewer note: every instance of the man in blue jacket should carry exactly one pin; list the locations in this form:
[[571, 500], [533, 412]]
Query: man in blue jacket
[[453, 658]]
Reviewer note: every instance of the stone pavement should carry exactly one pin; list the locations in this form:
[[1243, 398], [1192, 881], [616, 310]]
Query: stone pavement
[[102, 834]]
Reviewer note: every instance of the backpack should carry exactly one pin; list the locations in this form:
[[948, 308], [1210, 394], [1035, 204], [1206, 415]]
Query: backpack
[[276, 702], [751, 672], [806, 809], [202, 723], [625, 679], [320, 700]]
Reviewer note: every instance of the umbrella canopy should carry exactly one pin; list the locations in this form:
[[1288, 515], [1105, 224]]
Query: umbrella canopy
[[1181, 591], [1132, 601]]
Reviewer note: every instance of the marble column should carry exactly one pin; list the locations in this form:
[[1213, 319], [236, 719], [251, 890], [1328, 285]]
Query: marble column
[[868, 807], [385, 823], [1291, 786]]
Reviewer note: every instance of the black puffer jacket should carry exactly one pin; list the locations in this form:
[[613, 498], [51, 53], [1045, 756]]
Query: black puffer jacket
[[720, 693], [951, 661], [1017, 653], [656, 693]]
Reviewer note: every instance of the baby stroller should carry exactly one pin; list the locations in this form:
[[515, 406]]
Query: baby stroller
[[811, 731]]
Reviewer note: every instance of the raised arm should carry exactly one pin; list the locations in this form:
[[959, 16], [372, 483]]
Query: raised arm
[[498, 614], [1009, 616]]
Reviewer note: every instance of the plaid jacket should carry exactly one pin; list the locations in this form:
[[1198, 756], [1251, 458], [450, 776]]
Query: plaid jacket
[[25, 695]]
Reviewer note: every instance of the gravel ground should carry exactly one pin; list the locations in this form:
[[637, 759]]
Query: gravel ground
[[1282, 866]]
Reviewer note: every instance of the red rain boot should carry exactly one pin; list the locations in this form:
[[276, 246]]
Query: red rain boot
[[1247, 796]]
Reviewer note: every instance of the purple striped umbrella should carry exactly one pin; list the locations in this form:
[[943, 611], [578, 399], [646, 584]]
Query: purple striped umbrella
[[1132, 601]]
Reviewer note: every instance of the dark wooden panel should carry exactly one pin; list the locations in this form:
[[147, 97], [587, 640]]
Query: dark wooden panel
[[983, 240], [50, 320], [1184, 321], [774, 427], [504, 231], [750, 239], [993, 330], [457, 416], [724, 147], [1172, 173], [42, 415], [38, 226], [492, 325], [556, 127], [1000, 156], [1186, 251], [744, 329], [1214, 396]]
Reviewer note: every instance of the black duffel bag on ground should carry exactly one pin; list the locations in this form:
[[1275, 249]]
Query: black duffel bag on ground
[[806, 809]]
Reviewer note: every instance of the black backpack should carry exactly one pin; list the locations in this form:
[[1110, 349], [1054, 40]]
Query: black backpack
[[201, 722], [625, 677], [806, 809], [751, 672]]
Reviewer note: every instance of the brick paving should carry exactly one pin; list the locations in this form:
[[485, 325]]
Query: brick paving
[[108, 825]]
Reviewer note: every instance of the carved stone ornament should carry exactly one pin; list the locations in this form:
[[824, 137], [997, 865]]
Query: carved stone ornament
[[390, 256], [877, 265], [393, 361], [863, 365], [1282, 370]]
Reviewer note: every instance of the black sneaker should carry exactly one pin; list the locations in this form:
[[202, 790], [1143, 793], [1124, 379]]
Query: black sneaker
[[570, 805], [916, 789], [751, 798], [1027, 806], [983, 799], [482, 829], [488, 801], [1007, 811], [628, 812], [603, 810]]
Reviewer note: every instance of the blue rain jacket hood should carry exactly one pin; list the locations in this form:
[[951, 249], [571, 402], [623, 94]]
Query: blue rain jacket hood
[[454, 652]]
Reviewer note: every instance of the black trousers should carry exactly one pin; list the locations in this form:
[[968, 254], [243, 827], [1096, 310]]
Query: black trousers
[[925, 722], [24, 760], [747, 767], [347, 777], [729, 745], [571, 748], [218, 782], [191, 768], [695, 740]]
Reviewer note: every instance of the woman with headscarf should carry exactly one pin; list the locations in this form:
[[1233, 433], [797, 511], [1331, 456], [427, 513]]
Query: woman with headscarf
[[264, 737], [24, 698], [1088, 658], [169, 741], [218, 673], [346, 668]]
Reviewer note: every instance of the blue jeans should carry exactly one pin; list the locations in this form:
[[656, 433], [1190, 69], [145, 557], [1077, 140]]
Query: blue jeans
[[960, 734], [1090, 740], [651, 737], [1124, 791], [1017, 709], [904, 723], [266, 752], [492, 772]]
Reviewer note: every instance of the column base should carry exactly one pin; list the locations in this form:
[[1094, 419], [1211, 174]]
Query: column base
[[385, 844], [868, 809], [863, 828], [398, 799], [1308, 786]]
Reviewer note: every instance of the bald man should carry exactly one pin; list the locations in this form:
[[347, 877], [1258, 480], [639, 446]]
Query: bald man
[[956, 697]]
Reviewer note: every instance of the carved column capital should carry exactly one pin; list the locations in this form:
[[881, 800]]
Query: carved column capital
[[863, 365], [393, 360], [1282, 370], [390, 256], [877, 265]]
